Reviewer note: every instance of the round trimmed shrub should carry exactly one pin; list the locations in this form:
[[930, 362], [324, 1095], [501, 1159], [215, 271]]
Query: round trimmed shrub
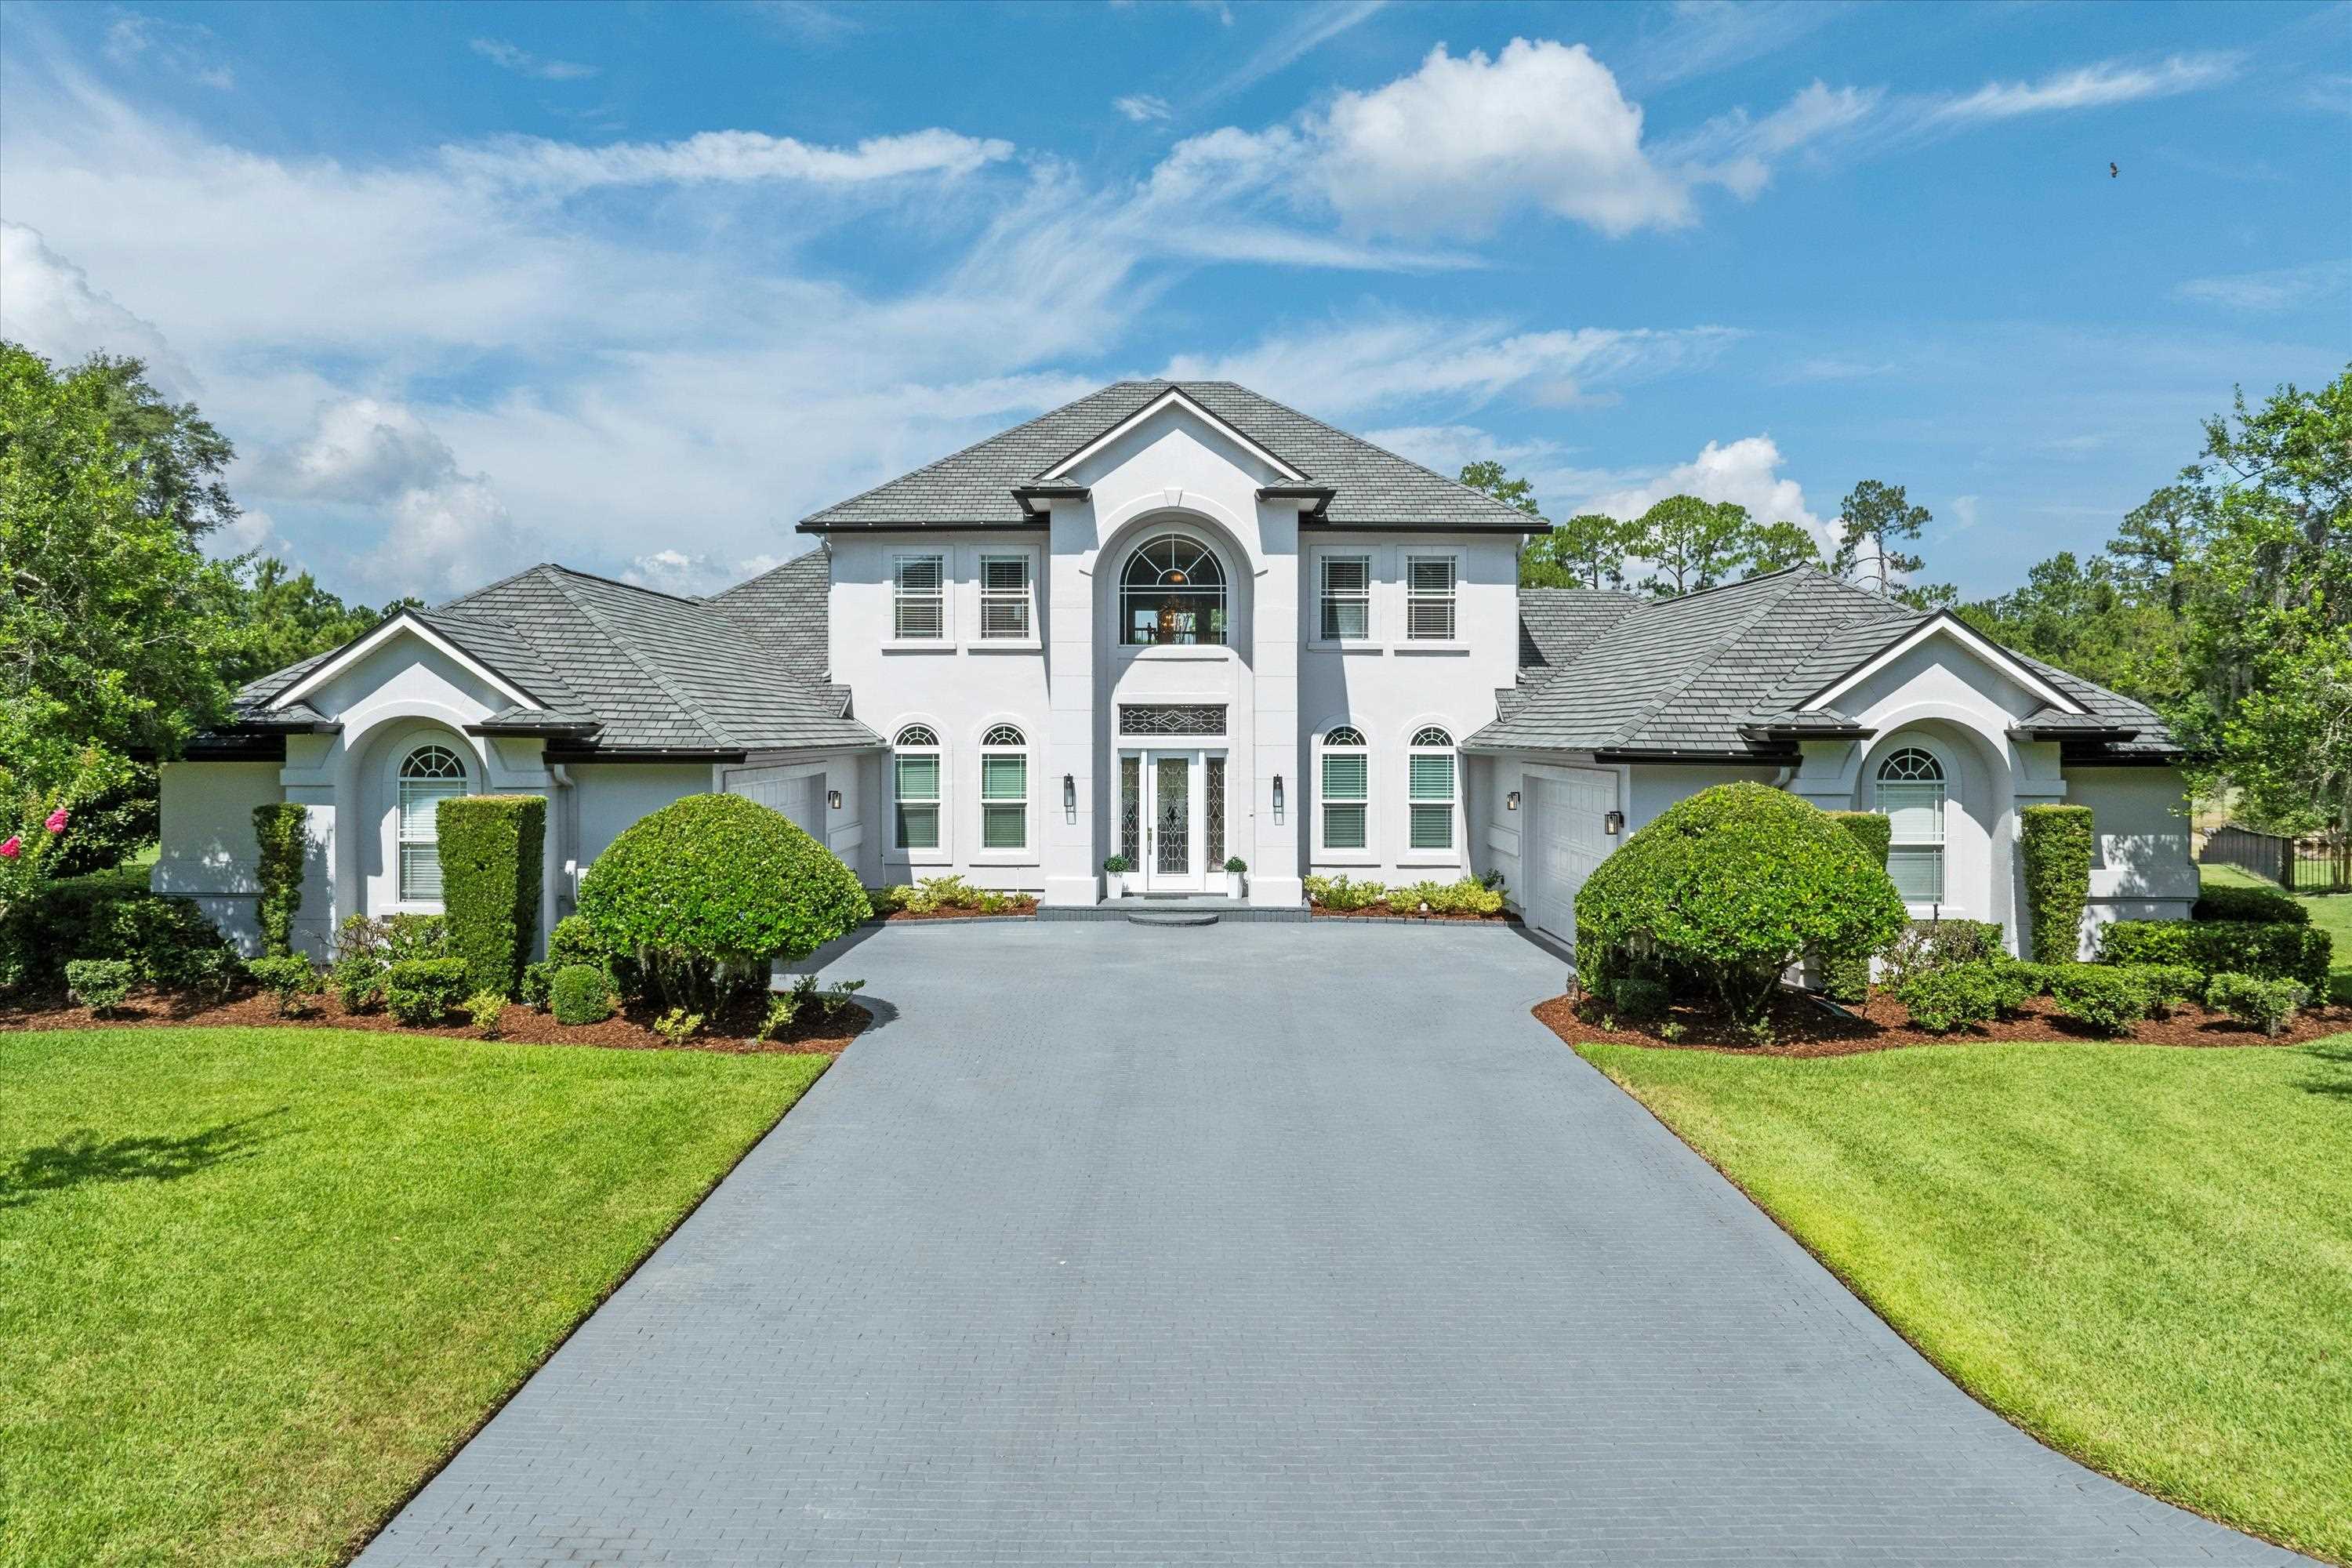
[[1957, 996], [705, 892], [2104, 998], [580, 993], [1731, 887]]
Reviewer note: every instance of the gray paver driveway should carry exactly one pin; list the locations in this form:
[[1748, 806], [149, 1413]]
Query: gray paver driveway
[[1244, 1244]]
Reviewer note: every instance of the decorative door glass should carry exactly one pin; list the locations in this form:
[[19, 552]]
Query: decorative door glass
[[1173, 821], [1213, 812], [1130, 810]]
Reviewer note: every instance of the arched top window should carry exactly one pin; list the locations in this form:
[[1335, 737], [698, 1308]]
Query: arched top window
[[1430, 735], [1003, 788], [915, 789], [1430, 790], [1003, 736], [1911, 764], [1173, 590], [1343, 735], [428, 775], [1910, 782], [917, 735]]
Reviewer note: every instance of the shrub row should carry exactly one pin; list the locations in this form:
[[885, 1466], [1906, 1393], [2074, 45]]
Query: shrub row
[[935, 893], [2261, 904], [2108, 998], [1467, 896], [111, 915], [2267, 949]]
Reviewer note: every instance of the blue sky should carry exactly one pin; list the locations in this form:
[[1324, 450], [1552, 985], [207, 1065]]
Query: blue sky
[[635, 286]]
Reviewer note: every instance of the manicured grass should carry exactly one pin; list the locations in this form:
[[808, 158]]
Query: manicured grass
[[2332, 912], [254, 1283], [2141, 1254]]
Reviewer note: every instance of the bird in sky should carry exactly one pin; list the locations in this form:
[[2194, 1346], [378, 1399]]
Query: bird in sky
[[2112, 171]]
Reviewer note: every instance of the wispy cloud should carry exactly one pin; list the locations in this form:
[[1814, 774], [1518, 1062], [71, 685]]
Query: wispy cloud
[[523, 62], [2098, 86], [2277, 289], [1141, 106], [723, 156], [1313, 28], [1700, 38], [185, 49], [807, 21]]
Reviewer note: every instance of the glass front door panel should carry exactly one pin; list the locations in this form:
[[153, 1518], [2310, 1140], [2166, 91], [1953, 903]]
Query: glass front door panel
[[1173, 816], [1131, 811]]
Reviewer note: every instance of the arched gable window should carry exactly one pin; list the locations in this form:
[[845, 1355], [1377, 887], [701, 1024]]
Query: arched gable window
[[1910, 784], [915, 785], [428, 775], [1173, 590], [1429, 788], [1347, 779], [1003, 789]]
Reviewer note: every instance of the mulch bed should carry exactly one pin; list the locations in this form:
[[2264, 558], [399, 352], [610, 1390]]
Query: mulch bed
[[629, 1030], [1382, 912], [1802, 1027], [1022, 905]]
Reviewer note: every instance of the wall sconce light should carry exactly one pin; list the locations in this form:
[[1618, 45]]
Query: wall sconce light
[[1278, 797], [1614, 824], [1070, 797], [1511, 801], [833, 798]]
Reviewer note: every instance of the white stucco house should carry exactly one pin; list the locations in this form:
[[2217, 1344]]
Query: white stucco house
[[1181, 623]]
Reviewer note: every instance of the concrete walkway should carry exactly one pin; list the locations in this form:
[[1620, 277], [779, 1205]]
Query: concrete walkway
[[1244, 1244]]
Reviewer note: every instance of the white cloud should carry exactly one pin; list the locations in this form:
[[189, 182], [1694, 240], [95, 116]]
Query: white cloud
[[1746, 472], [2091, 87], [523, 62], [722, 156], [2277, 289], [48, 305], [1965, 515], [691, 575], [1141, 106], [185, 49]]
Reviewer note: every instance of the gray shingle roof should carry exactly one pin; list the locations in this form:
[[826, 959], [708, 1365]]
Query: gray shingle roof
[[1373, 488], [1556, 624], [1707, 672]]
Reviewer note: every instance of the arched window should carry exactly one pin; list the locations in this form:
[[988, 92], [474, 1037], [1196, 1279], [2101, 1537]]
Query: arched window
[[1173, 590], [1347, 788], [1429, 790], [915, 788], [1910, 784], [1003, 789], [428, 775]]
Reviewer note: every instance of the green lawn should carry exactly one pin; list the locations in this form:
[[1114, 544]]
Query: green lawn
[[254, 1283], [2332, 912], [2141, 1255]]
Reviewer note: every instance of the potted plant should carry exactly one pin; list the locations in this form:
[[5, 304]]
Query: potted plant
[[1118, 870], [1236, 869]]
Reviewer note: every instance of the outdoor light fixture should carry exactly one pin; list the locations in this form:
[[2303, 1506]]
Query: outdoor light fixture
[[1511, 801], [1070, 797], [833, 798], [1278, 797], [1614, 824]]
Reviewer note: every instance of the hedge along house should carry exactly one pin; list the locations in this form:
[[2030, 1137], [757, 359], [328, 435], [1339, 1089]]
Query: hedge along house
[[1176, 622]]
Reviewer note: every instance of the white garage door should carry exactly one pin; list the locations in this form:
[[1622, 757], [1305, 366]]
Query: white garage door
[[801, 799], [1567, 838]]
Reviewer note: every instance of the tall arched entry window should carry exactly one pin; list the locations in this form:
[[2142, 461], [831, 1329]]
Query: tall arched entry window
[[428, 775], [1173, 590], [1429, 781], [915, 788], [1005, 789], [1910, 784]]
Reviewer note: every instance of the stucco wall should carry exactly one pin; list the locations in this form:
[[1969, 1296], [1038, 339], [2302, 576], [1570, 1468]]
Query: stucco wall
[[208, 853], [2141, 865]]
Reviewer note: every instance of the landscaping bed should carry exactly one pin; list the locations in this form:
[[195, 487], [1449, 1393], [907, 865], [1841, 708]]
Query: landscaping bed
[[1017, 906], [732, 1029], [1803, 1026], [1384, 912]]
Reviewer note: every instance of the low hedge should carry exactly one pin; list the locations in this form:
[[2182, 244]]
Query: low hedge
[[110, 914], [492, 847], [2054, 846], [2103, 997], [2259, 904], [2267, 949]]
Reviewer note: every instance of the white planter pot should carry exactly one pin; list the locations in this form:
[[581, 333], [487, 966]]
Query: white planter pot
[[1130, 883], [1236, 885]]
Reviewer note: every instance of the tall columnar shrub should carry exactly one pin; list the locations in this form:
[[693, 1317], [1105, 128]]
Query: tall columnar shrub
[[2055, 843], [1730, 887], [706, 891], [1848, 979], [492, 847], [282, 829]]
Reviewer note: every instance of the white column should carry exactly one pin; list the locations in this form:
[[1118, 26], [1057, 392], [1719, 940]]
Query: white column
[[1276, 869], [1073, 857]]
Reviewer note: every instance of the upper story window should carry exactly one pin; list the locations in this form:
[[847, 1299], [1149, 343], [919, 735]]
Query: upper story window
[[1910, 786], [915, 788], [1429, 597], [1004, 596], [428, 775], [918, 598], [1003, 789], [1347, 597], [1347, 791], [1173, 590], [1429, 781]]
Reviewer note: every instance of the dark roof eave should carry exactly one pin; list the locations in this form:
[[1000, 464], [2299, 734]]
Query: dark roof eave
[[818, 525], [1360, 525], [1027, 496], [643, 754], [2101, 734], [1765, 735], [1320, 495], [525, 731]]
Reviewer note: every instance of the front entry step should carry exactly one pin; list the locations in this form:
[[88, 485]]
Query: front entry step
[[1175, 916]]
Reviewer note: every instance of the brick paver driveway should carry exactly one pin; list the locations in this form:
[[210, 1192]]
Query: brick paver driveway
[[1244, 1244]]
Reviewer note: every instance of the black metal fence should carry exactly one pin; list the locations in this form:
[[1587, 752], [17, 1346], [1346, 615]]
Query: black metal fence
[[2306, 866]]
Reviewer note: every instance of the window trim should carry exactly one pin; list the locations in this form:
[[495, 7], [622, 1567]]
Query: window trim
[[918, 738], [402, 840], [1434, 739], [901, 595], [1324, 599], [1414, 597], [1352, 741], [1004, 738], [1942, 785]]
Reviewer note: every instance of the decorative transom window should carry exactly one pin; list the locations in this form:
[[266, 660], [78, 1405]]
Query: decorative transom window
[[1347, 789], [918, 598], [1004, 600], [1429, 597], [1429, 790], [915, 788], [1171, 719], [1173, 590], [1911, 794], [428, 775], [1003, 789], [1347, 597]]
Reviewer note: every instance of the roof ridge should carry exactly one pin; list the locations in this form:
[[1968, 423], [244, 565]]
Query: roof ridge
[[1368, 446], [687, 706], [1764, 605], [486, 587], [962, 452]]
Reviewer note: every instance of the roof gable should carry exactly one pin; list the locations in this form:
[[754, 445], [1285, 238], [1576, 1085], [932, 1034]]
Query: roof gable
[[401, 623], [1944, 624], [1174, 398]]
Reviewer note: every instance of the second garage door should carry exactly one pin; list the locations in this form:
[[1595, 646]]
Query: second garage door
[[1567, 838]]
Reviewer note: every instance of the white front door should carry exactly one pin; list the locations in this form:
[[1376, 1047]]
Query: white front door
[[1172, 823]]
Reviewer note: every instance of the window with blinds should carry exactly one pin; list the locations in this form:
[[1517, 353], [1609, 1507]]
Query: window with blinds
[[1429, 598], [915, 788], [1003, 790], [1347, 790], [1347, 597], [428, 775], [1910, 786], [918, 600], [1004, 596], [1429, 791]]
